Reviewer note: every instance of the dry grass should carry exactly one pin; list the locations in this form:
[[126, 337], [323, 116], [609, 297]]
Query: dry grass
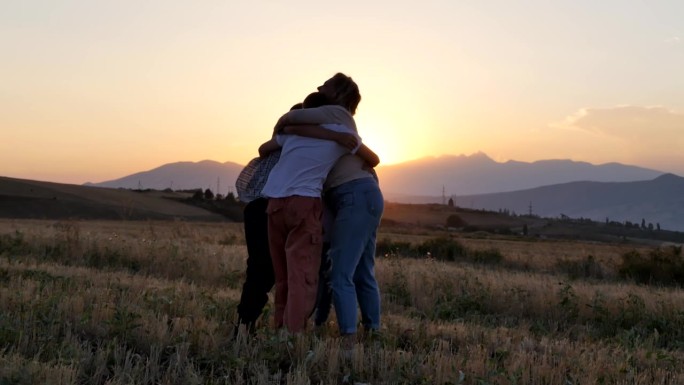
[[155, 302]]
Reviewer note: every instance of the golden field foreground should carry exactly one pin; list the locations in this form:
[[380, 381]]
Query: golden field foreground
[[118, 302]]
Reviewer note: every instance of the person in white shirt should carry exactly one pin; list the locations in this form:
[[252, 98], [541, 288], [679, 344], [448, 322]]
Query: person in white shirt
[[294, 210], [354, 198]]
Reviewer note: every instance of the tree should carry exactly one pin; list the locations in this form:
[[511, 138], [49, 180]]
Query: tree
[[198, 195], [455, 221], [208, 194]]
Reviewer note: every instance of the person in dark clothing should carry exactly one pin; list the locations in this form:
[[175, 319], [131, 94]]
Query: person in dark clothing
[[259, 276]]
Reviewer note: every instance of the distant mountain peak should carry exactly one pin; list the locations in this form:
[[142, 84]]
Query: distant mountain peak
[[479, 155], [478, 173], [667, 176], [181, 176]]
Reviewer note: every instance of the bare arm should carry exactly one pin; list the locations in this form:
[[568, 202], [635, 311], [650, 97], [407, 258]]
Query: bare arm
[[346, 140], [268, 147], [318, 115], [370, 157]]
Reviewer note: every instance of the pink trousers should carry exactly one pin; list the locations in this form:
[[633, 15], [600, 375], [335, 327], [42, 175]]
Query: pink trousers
[[295, 242]]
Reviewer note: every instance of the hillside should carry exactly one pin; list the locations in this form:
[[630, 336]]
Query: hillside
[[181, 176], [657, 201], [414, 218], [34, 199]]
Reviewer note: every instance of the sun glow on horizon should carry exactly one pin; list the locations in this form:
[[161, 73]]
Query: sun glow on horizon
[[99, 90], [379, 137]]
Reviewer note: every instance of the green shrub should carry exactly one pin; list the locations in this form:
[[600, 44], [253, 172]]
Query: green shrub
[[442, 249], [387, 248], [13, 244], [586, 268], [445, 249], [660, 266], [453, 303], [568, 302], [397, 290], [455, 221], [489, 256]]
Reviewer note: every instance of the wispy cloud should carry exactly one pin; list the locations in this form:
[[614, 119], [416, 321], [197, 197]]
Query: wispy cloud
[[628, 121], [646, 135], [675, 40], [639, 129]]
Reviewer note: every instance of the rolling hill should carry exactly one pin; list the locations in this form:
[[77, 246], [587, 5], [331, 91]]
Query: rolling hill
[[657, 201], [21, 198], [181, 176], [553, 187]]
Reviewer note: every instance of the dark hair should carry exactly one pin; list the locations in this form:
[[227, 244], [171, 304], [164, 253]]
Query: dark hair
[[316, 99], [297, 106], [346, 92]]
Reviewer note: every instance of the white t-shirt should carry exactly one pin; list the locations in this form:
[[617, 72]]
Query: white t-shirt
[[304, 164], [348, 167]]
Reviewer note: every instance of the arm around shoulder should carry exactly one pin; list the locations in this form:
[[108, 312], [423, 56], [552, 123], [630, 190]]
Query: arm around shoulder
[[370, 157], [344, 139], [268, 147]]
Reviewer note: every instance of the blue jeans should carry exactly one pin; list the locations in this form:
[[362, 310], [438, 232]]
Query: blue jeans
[[357, 207]]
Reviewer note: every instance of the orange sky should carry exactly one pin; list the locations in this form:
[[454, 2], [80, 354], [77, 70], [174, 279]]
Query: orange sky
[[92, 91]]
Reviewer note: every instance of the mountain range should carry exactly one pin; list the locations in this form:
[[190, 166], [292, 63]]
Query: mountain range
[[546, 188], [207, 174], [479, 174], [453, 175], [659, 201]]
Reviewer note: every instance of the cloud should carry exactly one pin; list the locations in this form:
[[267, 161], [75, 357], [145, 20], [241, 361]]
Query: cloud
[[628, 122], [647, 135], [674, 40]]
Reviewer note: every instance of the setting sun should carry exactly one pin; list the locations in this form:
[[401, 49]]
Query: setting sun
[[386, 141]]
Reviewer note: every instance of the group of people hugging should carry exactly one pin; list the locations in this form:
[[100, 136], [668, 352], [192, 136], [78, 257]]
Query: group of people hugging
[[313, 209]]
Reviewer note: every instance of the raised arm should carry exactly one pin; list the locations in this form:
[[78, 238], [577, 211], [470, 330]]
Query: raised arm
[[346, 140]]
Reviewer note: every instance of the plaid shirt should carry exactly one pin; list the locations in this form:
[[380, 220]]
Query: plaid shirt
[[253, 177]]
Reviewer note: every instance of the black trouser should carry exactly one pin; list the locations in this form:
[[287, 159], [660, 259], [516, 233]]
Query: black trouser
[[259, 278], [324, 295]]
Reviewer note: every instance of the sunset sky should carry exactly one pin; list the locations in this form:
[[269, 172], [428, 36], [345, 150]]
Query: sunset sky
[[96, 90]]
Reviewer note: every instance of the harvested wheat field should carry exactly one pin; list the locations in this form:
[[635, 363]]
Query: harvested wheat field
[[116, 302]]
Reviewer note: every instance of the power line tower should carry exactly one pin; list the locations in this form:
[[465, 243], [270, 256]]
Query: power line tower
[[530, 208]]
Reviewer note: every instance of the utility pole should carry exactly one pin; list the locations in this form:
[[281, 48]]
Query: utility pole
[[218, 185], [530, 209], [443, 195]]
